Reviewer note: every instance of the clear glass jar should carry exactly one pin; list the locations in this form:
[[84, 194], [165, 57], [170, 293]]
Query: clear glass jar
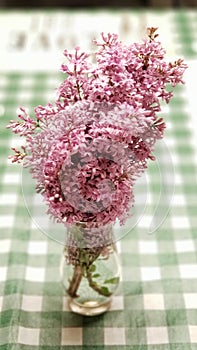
[[90, 269]]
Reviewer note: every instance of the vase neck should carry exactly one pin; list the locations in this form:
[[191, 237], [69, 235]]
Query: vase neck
[[81, 236]]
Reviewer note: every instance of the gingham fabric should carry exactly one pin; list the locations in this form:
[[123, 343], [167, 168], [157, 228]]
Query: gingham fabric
[[155, 307]]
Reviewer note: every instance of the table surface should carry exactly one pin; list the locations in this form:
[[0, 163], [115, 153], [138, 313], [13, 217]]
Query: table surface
[[155, 306]]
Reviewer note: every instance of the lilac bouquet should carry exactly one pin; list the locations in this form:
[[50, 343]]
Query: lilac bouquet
[[87, 150]]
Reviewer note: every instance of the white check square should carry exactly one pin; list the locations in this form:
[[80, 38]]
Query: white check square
[[114, 336], [28, 336], [154, 302], [148, 247], [5, 246], [157, 335], [35, 274], [188, 271], [1, 303], [8, 199], [11, 178], [72, 336], [117, 303], [37, 248], [150, 273], [190, 300], [32, 303], [193, 334], [3, 273], [184, 246], [6, 221], [180, 222]]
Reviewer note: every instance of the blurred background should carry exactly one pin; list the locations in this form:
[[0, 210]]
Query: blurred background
[[96, 3]]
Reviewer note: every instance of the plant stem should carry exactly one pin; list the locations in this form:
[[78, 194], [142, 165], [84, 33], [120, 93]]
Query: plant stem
[[75, 282], [99, 289], [83, 269]]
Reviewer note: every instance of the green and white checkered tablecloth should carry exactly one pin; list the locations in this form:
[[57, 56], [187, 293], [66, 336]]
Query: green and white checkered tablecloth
[[155, 307]]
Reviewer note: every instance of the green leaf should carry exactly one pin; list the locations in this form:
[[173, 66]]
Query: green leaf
[[84, 257], [92, 268], [96, 275], [77, 234], [93, 284], [105, 291], [114, 280]]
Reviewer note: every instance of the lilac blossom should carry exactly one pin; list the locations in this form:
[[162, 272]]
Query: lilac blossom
[[18, 155], [88, 158], [25, 125], [87, 150]]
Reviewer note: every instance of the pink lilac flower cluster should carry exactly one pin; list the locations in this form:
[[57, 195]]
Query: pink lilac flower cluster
[[87, 159], [87, 150]]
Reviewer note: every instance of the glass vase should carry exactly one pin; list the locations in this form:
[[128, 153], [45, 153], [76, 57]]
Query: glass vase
[[90, 269]]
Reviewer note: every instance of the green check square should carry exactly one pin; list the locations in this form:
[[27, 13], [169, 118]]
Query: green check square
[[8, 317], [135, 336], [130, 260], [134, 318], [51, 319], [13, 286], [172, 285], [30, 319], [170, 271], [8, 335], [50, 337], [93, 336], [191, 317], [52, 288], [131, 273], [17, 259], [32, 288], [167, 259], [53, 303], [180, 346], [53, 259], [178, 334], [11, 302], [114, 319], [71, 320], [133, 302], [176, 317], [174, 301], [95, 322], [153, 318], [38, 261]]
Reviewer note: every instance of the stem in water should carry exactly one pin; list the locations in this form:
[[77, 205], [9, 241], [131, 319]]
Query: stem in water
[[75, 282]]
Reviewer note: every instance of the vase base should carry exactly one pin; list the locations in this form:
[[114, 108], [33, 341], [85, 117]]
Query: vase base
[[88, 308]]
